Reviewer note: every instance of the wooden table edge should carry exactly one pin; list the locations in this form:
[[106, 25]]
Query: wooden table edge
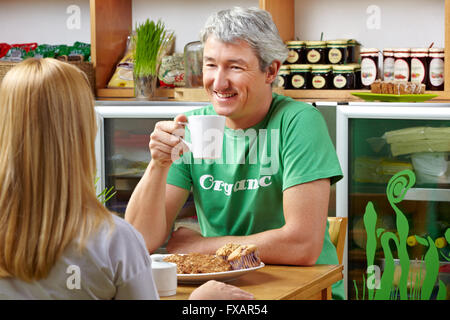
[[310, 290]]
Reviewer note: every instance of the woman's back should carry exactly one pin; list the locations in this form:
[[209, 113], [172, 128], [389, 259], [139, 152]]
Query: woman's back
[[109, 266]]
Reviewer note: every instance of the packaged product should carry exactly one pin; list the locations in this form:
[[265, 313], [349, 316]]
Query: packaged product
[[171, 71], [123, 76]]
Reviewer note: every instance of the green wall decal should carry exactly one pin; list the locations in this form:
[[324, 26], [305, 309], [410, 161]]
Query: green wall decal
[[396, 190]]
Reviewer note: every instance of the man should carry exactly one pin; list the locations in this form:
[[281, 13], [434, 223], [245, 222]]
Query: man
[[272, 186]]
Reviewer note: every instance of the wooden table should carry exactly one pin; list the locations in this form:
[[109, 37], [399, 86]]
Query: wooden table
[[276, 282]]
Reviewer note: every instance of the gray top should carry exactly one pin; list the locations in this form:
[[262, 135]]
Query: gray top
[[113, 266]]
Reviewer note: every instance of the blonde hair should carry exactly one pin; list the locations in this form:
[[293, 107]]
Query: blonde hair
[[47, 166]]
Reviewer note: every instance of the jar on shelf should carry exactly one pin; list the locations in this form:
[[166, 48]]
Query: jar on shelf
[[436, 69], [283, 77], [300, 76], [402, 58], [353, 51], [193, 64], [316, 52], [320, 76], [357, 71], [297, 52], [369, 66], [343, 77], [419, 65], [388, 64], [337, 51]]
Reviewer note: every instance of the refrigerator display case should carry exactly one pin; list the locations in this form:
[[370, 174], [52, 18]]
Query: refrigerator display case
[[122, 151], [396, 195]]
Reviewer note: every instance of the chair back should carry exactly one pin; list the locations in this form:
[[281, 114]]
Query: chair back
[[338, 231]]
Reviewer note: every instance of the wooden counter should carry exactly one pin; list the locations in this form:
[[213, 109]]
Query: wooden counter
[[276, 282]]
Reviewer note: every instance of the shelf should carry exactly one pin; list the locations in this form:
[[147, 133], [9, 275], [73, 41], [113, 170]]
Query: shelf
[[178, 94], [129, 93], [199, 94], [111, 22], [324, 95], [428, 194], [422, 193]]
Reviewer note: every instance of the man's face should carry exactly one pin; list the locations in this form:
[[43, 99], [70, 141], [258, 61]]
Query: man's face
[[233, 80]]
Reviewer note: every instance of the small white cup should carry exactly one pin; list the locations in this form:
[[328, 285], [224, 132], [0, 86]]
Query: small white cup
[[165, 276], [206, 136]]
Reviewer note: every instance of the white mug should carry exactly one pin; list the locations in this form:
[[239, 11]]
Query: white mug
[[206, 136], [165, 276]]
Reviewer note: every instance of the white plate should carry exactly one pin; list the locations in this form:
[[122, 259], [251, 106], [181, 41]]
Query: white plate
[[224, 276]]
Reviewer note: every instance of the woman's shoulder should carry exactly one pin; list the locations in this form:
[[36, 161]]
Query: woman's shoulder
[[116, 239], [122, 232]]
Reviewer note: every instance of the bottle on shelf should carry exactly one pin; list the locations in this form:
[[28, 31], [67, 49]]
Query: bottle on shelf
[[369, 66], [419, 65], [402, 58], [436, 69], [388, 64]]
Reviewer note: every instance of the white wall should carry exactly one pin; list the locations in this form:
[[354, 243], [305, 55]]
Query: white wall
[[186, 17], [402, 23], [43, 21], [408, 23]]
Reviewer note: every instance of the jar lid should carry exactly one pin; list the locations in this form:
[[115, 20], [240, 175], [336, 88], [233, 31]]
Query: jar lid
[[369, 50], [419, 50], [388, 49], [337, 42], [435, 49], [295, 42], [353, 42], [345, 68], [305, 67], [402, 50], [355, 66], [316, 43], [320, 68]]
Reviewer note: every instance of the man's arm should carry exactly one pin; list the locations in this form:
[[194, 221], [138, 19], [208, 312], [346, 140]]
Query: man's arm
[[151, 213], [298, 242], [153, 206]]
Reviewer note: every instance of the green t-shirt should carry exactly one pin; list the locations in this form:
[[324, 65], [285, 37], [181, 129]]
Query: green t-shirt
[[242, 193]]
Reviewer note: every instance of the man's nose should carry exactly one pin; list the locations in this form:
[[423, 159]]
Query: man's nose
[[220, 80]]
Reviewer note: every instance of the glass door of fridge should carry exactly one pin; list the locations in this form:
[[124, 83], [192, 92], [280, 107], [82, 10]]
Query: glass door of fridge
[[126, 157], [397, 199], [123, 146]]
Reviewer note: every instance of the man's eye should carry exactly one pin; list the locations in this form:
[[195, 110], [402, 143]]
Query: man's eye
[[236, 68], [210, 65]]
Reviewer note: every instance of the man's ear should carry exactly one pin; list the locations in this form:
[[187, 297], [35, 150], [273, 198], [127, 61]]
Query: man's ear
[[272, 71]]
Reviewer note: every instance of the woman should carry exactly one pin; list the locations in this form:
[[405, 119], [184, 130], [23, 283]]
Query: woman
[[57, 241]]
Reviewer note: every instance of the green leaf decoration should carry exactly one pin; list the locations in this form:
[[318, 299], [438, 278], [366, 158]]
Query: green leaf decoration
[[380, 231], [422, 241]]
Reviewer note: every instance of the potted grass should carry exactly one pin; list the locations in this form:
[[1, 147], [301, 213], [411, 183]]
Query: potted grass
[[151, 39]]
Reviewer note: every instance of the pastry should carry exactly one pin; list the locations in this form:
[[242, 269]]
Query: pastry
[[397, 87], [245, 256], [226, 250], [375, 87], [198, 263]]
